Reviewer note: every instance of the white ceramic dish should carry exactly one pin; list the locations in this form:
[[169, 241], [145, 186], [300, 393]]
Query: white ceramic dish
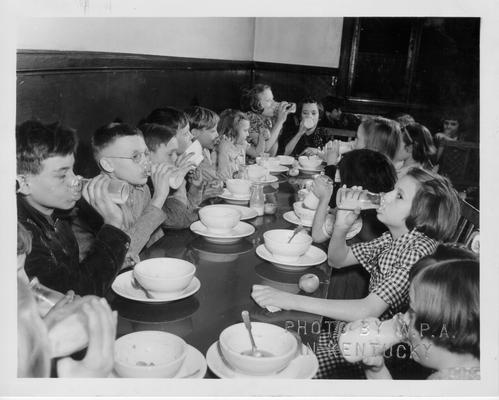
[[302, 367], [310, 171], [240, 188], [231, 199], [164, 275], [267, 180], [219, 220], [280, 343], [278, 169], [194, 366], [122, 285], [277, 241], [246, 212], [314, 256], [149, 354], [290, 216], [286, 160], [241, 230]]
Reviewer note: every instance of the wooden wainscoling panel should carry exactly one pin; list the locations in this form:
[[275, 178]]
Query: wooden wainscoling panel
[[85, 90]]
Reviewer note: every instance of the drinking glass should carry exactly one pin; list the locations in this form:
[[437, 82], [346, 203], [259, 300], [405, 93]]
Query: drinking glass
[[365, 200], [45, 297], [118, 190]]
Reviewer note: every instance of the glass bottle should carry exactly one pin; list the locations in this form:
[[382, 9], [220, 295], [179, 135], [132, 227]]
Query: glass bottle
[[365, 200], [257, 200], [45, 297]]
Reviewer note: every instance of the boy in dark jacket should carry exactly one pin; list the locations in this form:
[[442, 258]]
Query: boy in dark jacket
[[47, 190]]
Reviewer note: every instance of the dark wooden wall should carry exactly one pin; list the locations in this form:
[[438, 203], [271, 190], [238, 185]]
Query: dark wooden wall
[[85, 90]]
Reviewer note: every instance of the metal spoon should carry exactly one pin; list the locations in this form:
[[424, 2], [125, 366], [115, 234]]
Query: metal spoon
[[297, 230], [137, 285], [254, 351]]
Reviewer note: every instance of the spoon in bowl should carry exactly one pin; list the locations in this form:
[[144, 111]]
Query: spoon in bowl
[[254, 352], [297, 230]]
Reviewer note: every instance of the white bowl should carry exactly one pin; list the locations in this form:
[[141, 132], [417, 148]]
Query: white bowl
[[256, 172], [239, 187], [276, 241], [271, 162], [311, 162], [306, 215], [218, 219], [286, 160], [149, 354], [271, 338], [164, 275]]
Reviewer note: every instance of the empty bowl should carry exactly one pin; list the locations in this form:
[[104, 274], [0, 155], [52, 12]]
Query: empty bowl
[[306, 215], [276, 241], [239, 187], [311, 162], [164, 275], [256, 172], [219, 219], [149, 354], [280, 343]]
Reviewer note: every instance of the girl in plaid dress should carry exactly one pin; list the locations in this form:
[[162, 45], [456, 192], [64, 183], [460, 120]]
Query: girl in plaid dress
[[422, 210], [443, 321]]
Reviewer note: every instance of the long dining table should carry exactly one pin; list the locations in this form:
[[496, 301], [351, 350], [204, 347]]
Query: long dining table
[[227, 273]]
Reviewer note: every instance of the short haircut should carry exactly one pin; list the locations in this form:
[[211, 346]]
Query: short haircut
[[24, 240], [309, 100], [367, 168], [250, 100], [443, 252], [404, 119], [435, 209], [331, 103], [423, 148], [107, 134], [167, 116], [35, 142], [155, 135], [202, 118], [383, 135], [229, 122], [446, 305]]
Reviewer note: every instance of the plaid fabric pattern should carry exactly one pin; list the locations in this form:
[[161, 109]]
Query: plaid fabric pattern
[[389, 262], [332, 364]]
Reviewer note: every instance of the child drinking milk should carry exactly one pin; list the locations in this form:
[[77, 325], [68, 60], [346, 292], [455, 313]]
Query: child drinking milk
[[422, 210], [443, 322], [233, 128]]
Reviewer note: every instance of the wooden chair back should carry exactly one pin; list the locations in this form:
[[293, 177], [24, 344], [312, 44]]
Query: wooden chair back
[[460, 163], [468, 226]]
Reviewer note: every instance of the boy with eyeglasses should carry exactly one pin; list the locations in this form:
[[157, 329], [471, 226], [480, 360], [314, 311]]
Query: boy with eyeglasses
[[45, 195], [121, 153]]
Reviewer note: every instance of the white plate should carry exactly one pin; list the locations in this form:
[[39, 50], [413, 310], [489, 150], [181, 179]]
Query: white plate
[[231, 199], [310, 171], [242, 229], [194, 360], [122, 285], [302, 367], [278, 170], [246, 212], [270, 179], [227, 194], [313, 256], [291, 216]]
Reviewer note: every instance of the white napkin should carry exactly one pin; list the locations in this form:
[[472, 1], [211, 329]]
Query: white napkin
[[273, 308]]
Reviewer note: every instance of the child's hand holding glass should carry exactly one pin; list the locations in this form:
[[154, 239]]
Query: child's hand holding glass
[[332, 152], [346, 218], [99, 358], [322, 187]]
